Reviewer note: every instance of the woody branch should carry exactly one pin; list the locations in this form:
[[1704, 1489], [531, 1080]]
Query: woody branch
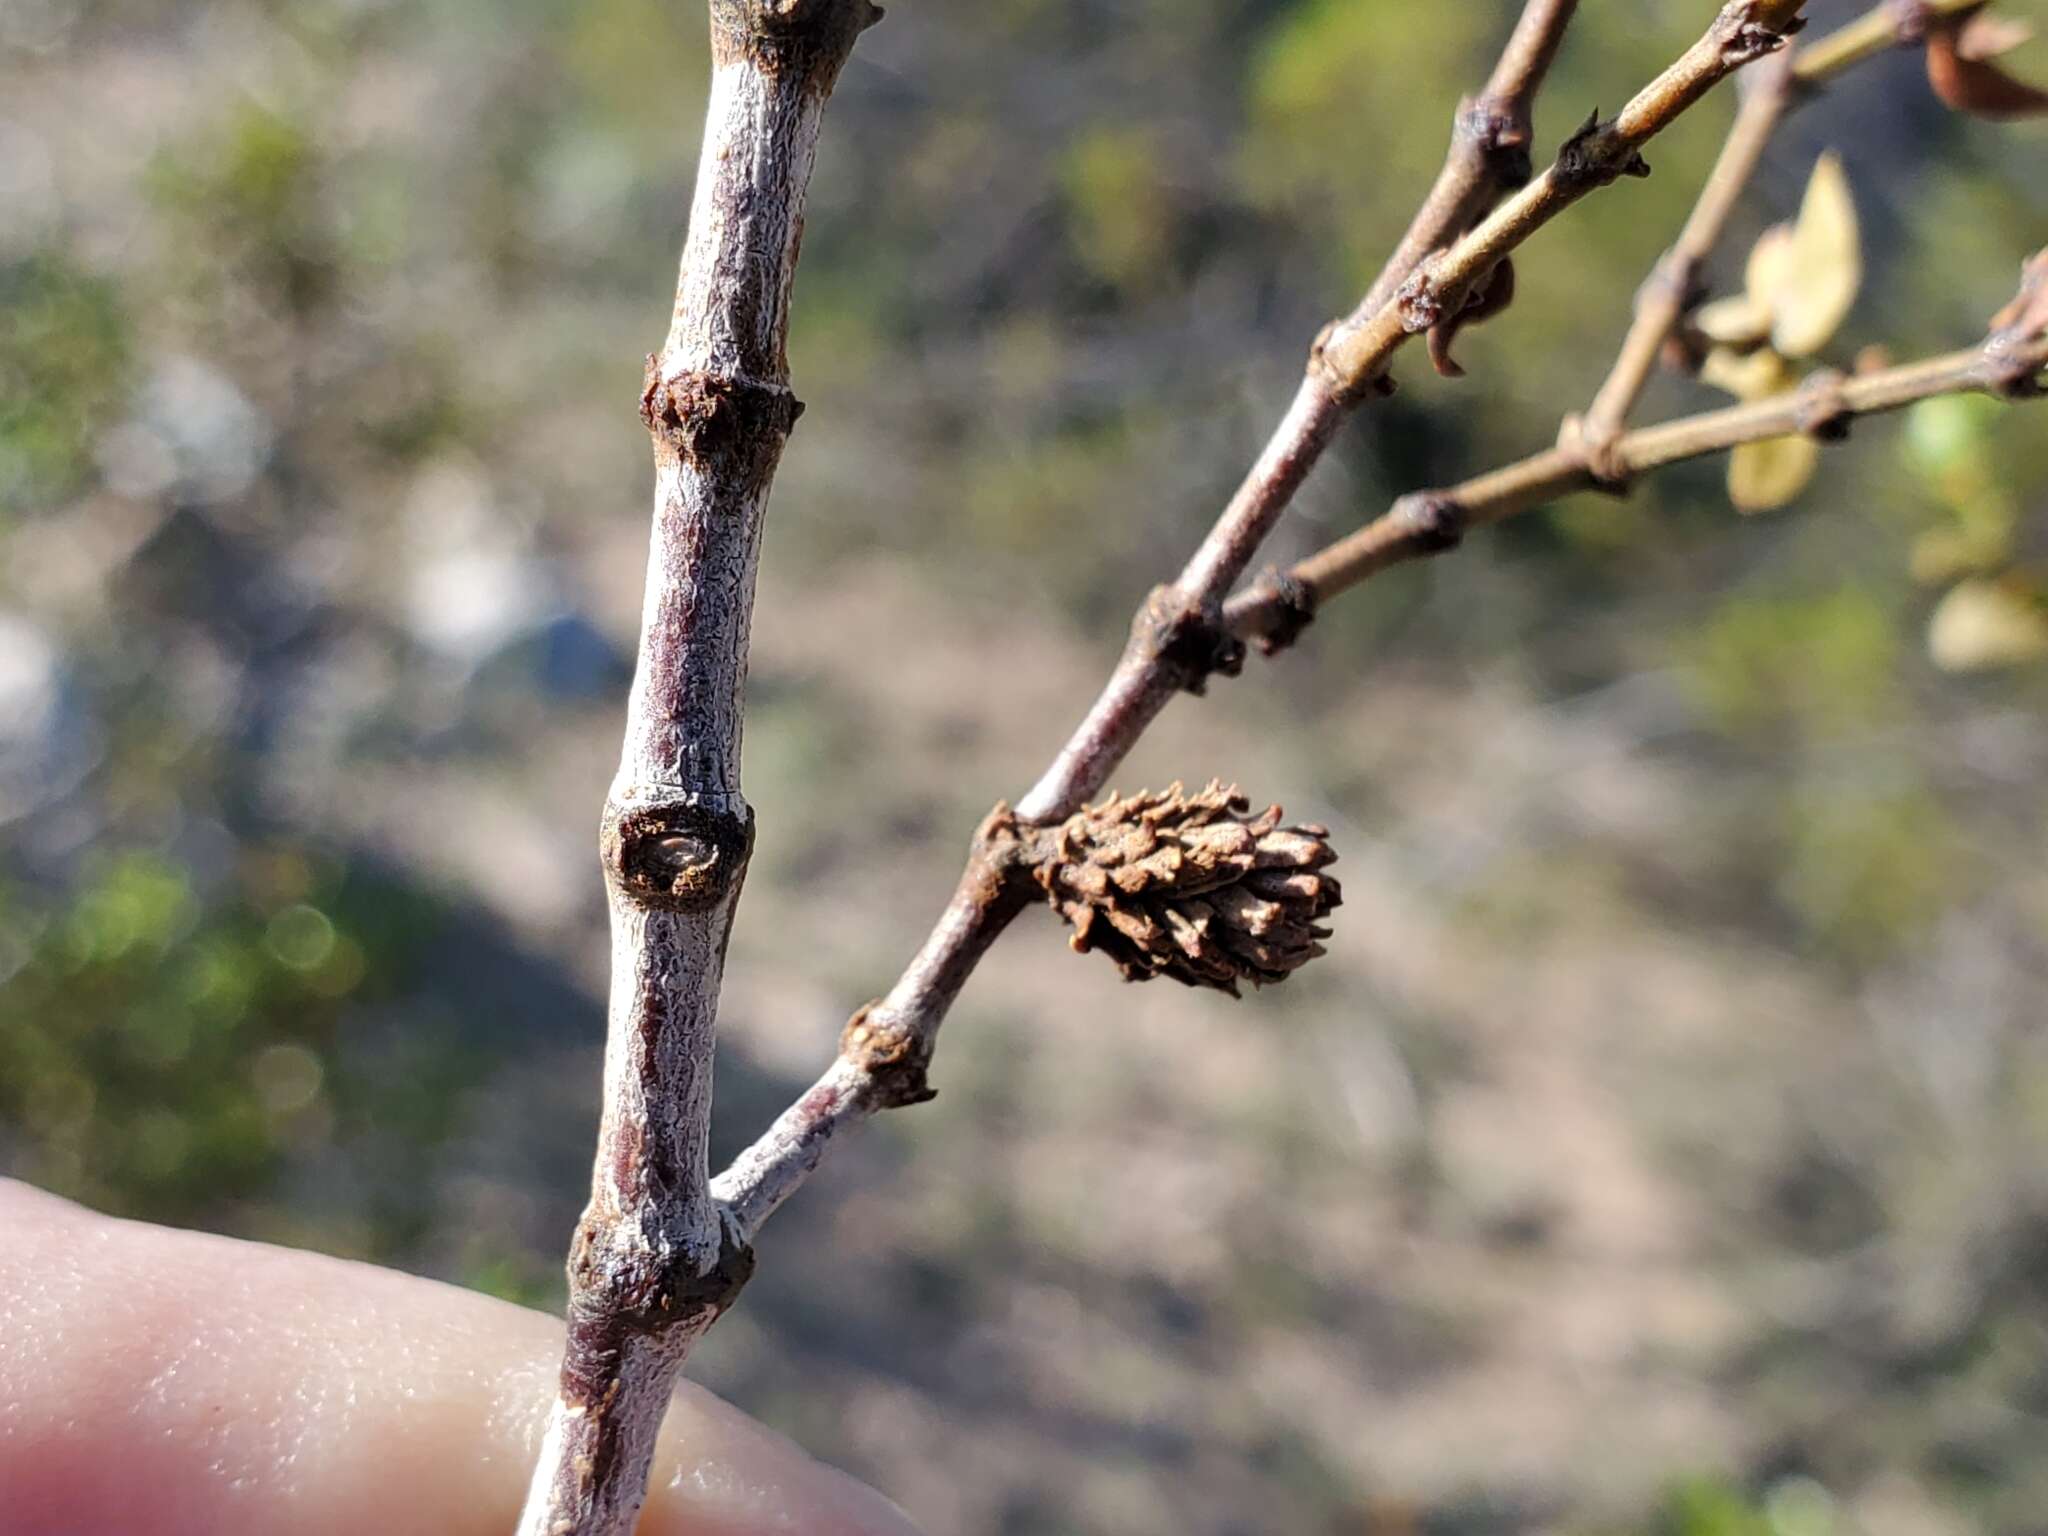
[[654, 1259]]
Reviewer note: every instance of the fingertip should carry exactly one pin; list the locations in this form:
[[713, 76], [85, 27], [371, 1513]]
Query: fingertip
[[163, 1383], [760, 1480]]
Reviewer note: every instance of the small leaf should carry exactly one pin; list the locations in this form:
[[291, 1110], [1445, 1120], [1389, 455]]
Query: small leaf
[[1764, 476], [1973, 86], [1823, 265], [1736, 321], [1986, 34], [2027, 315], [1747, 375], [1768, 260], [1983, 624], [1941, 555], [1948, 433], [1493, 295]]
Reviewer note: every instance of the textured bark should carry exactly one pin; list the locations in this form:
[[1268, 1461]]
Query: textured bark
[[654, 1260]]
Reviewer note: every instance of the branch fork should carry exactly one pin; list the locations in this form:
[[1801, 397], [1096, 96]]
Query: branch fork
[[1192, 886]]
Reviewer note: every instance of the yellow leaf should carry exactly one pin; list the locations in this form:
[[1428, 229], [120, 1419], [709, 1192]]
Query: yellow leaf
[[1736, 321], [1769, 258], [1822, 266], [1747, 375], [1983, 624], [1940, 555], [1985, 35], [1764, 476]]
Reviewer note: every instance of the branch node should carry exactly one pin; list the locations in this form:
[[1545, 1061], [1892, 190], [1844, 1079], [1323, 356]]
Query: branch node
[[1433, 523], [622, 1286], [670, 851], [1595, 155], [894, 1058], [1287, 606], [1822, 412], [2012, 361], [1186, 636], [1418, 301], [1499, 135], [1743, 39], [795, 36], [1597, 451], [701, 415]]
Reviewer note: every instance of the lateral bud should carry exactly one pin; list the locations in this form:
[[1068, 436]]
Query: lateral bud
[[676, 855], [703, 415], [1186, 635]]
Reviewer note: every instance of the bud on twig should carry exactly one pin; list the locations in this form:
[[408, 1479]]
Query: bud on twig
[[1190, 886]]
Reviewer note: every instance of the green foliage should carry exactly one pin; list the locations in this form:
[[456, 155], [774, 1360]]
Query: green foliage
[[1995, 611], [1822, 665], [1867, 869], [64, 347], [166, 1046], [243, 197], [1118, 204], [1711, 1506]]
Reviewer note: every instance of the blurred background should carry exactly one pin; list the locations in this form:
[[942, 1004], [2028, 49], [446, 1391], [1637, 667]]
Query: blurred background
[[1663, 1146]]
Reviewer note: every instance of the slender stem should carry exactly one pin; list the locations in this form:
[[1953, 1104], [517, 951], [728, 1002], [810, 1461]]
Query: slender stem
[[1876, 30], [1173, 638], [1489, 151], [1176, 641], [1178, 637], [654, 1261], [1353, 356], [1429, 522], [1663, 300], [1775, 90]]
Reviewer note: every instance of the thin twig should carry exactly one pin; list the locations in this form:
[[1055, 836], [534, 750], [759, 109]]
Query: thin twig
[[1489, 153], [1176, 642], [1883, 26], [1354, 357], [1424, 523], [1178, 638], [1673, 284], [1781, 85]]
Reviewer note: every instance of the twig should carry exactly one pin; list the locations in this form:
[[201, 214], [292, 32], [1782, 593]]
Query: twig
[[1178, 638], [1672, 287], [1354, 357], [654, 1260], [1489, 152], [1886, 25], [1176, 642], [1422, 523]]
